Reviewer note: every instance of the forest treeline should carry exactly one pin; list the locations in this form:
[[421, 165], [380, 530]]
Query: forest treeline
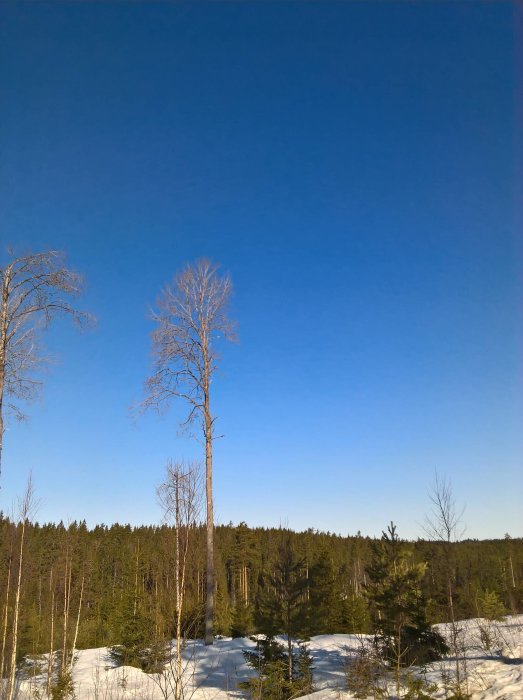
[[115, 584]]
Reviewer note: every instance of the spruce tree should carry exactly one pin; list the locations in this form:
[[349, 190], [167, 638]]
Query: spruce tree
[[280, 603], [324, 606], [397, 604], [271, 662]]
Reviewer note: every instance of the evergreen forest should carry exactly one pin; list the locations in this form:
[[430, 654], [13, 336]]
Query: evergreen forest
[[114, 585]]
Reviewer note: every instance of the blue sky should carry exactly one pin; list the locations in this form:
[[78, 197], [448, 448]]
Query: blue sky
[[354, 166]]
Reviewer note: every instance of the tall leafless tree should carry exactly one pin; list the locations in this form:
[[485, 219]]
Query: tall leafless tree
[[27, 506], [191, 318], [34, 289], [445, 524], [180, 496]]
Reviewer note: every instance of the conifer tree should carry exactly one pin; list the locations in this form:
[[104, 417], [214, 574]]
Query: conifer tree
[[397, 604], [240, 566], [271, 662], [354, 612], [280, 603], [324, 606], [139, 644]]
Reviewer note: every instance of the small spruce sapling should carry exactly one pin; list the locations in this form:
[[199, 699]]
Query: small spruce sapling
[[270, 661]]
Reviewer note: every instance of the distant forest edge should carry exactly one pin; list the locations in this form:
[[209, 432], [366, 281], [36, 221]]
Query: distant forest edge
[[115, 584]]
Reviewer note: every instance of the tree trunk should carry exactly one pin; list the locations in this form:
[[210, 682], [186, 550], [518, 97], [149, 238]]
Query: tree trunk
[[135, 604], [178, 674], [67, 592], [6, 615], [51, 641], [454, 634], [12, 672], [511, 567], [289, 642], [209, 597], [77, 627], [1, 419]]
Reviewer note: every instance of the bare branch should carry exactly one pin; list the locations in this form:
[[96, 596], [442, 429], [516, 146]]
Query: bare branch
[[34, 289], [191, 317], [445, 522]]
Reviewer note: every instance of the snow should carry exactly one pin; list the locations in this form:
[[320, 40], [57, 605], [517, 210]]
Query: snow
[[213, 672]]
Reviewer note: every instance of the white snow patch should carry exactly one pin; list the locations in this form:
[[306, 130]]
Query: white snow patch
[[213, 672]]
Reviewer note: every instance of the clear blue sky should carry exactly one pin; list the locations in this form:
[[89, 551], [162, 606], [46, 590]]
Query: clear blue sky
[[355, 166]]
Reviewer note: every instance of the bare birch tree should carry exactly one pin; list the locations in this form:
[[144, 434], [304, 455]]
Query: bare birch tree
[[27, 506], [445, 524], [34, 289], [180, 496], [191, 318]]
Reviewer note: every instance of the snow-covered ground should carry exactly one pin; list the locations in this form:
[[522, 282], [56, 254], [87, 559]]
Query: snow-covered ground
[[213, 672]]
